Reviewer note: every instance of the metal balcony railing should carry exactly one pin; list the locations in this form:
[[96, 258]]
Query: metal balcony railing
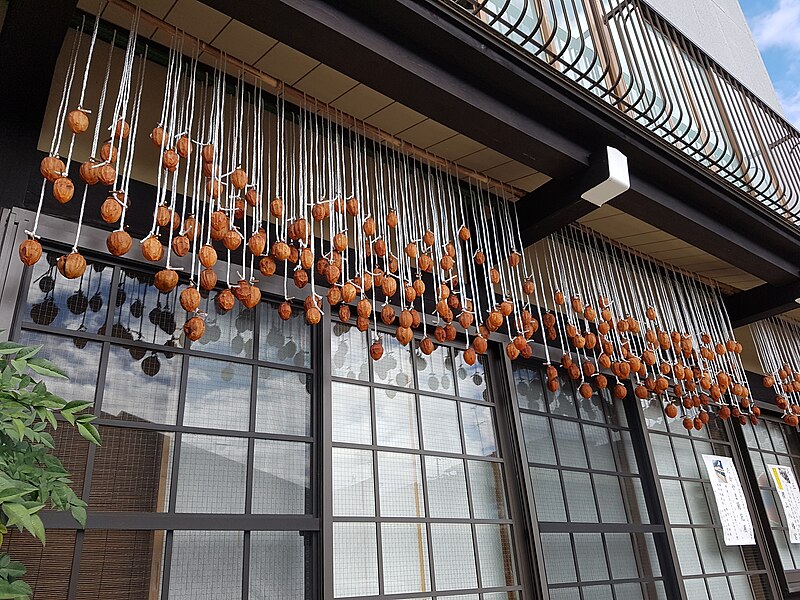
[[629, 57]]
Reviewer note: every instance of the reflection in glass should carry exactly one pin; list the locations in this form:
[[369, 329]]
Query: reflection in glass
[[548, 495], [447, 487], [231, 333], [144, 314], [211, 474], [349, 352], [77, 304], [440, 431], [580, 498], [79, 358], [206, 564], [278, 564], [435, 372], [156, 397], [353, 483], [352, 421], [590, 555], [530, 393], [284, 342], [217, 394], [538, 439], [478, 423], [281, 477], [132, 470], [283, 402], [571, 452], [355, 560], [395, 419], [394, 368], [620, 556], [471, 379], [453, 556], [405, 558], [400, 484]]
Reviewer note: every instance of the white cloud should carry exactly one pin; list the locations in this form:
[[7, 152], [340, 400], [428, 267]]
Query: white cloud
[[791, 107], [779, 27]]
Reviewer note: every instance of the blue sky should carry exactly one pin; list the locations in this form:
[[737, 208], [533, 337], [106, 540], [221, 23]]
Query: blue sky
[[776, 27]]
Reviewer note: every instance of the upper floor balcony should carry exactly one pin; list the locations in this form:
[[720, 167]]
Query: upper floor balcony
[[631, 60]]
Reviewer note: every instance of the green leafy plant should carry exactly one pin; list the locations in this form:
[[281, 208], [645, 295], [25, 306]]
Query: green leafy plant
[[31, 477]]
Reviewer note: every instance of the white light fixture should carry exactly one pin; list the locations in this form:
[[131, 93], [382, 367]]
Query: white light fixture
[[618, 180]]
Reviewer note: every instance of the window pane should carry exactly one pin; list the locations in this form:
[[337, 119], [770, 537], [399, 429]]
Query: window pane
[[592, 409], [697, 502], [548, 495], [154, 376], [435, 372], [687, 551], [580, 497], [471, 378], [530, 393], [217, 394], [229, 333], [684, 456], [281, 477], [353, 483], [488, 489], [709, 550], [569, 441], [280, 565], [285, 342], [396, 419], [662, 448], [538, 439], [440, 431], [558, 558], [620, 556], [478, 429], [132, 470], [206, 564], [79, 358], [562, 401], [609, 498], [119, 564], [453, 556], [352, 421], [211, 474], [283, 402], [394, 367], [598, 446], [78, 304], [447, 488], [355, 560], [400, 483], [405, 558], [676, 504], [349, 352], [590, 554], [143, 313], [496, 555]]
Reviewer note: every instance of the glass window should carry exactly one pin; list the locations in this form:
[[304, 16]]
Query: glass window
[[280, 565], [217, 395], [206, 564], [283, 402], [211, 474], [355, 560], [281, 477]]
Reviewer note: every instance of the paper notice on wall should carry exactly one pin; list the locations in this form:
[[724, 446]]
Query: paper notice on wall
[[737, 526], [788, 492]]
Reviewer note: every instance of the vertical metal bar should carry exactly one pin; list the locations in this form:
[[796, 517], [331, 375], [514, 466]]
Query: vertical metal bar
[[530, 559], [654, 499], [321, 338]]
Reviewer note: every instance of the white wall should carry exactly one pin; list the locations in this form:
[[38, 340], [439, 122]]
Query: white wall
[[720, 29]]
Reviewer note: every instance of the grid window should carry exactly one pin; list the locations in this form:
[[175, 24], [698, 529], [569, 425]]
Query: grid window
[[709, 568], [773, 443], [220, 430], [419, 484], [595, 531]]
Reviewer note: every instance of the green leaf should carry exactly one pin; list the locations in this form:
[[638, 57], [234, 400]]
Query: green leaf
[[17, 514], [28, 352], [19, 365], [10, 348], [89, 432], [36, 527], [15, 590], [79, 514], [45, 367]]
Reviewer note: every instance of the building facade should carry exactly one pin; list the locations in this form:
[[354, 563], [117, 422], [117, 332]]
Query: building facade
[[597, 151]]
